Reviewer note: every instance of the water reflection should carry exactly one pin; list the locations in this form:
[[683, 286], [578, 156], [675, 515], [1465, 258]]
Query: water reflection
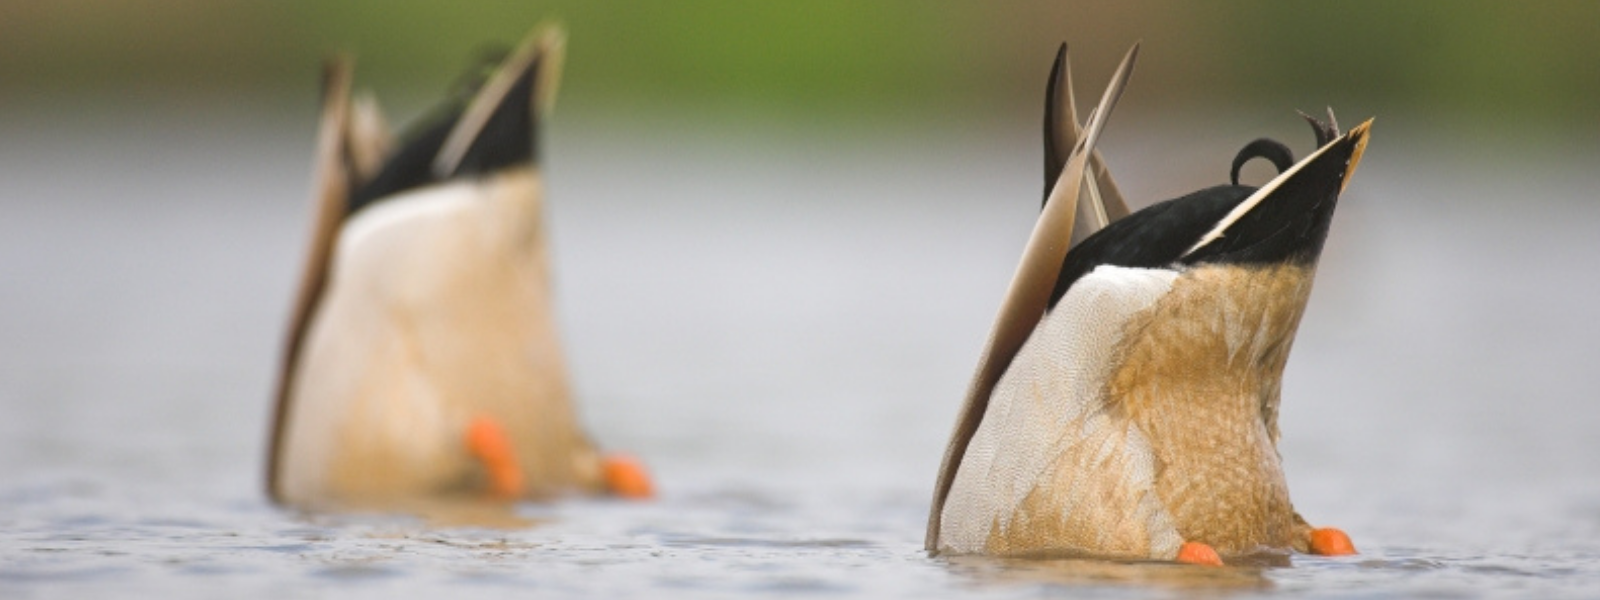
[[1076, 572], [443, 512]]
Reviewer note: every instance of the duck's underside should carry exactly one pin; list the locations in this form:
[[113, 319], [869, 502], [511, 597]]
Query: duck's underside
[[423, 358], [1184, 452], [1126, 405]]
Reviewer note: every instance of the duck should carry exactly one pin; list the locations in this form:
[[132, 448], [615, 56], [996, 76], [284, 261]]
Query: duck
[[422, 357], [1126, 402]]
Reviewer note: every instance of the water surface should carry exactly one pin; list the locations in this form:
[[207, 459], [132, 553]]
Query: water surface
[[781, 326]]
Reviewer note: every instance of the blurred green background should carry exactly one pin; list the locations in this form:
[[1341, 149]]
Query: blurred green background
[[1432, 66]]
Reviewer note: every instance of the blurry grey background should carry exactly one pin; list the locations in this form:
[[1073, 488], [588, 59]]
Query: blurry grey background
[[781, 231]]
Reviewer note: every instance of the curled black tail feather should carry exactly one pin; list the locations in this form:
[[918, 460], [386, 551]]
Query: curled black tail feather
[[1269, 149], [1326, 132]]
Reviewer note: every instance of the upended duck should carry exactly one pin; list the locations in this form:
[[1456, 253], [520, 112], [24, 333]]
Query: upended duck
[[1126, 403], [422, 357]]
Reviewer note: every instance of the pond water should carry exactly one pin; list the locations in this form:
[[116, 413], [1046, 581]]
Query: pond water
[[782, 327]]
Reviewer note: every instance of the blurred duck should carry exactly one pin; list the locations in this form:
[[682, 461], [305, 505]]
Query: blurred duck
[[1126, 404], [422, 357]]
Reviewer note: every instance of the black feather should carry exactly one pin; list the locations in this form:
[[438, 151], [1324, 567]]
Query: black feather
[[1289, 226], [1153, 237], [1326, 132], [508, 138], [411, 166], [1270, 149]]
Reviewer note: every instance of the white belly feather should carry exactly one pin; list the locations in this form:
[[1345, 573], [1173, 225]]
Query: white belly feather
[[433, 313], [1054, 468], [360, 386]]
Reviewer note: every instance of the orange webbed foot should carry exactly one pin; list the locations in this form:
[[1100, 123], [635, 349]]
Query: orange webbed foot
[[488, 442], [625, 476], [1329, 541], [1198, 553]]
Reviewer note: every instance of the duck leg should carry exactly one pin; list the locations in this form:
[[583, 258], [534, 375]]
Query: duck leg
[[1329, 541], [1326, 541], [626, 477], [1199, 553], [487, 441]]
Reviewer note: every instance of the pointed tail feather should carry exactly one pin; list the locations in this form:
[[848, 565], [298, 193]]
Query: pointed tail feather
[[1029, 294], [333, 179], [1103, 203]]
